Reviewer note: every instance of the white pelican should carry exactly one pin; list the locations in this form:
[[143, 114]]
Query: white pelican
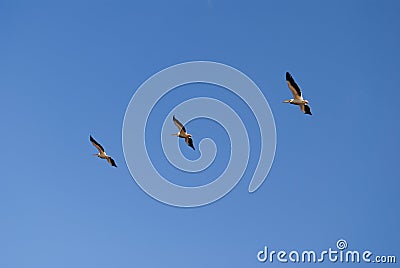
[[182, 133], [298, 99], [102, 154]]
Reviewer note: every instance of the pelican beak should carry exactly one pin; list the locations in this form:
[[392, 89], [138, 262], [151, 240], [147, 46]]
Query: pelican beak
[[286, 101]]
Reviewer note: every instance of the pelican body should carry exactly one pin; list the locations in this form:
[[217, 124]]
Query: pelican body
[[102, 154], [297, 97], [182, 133]]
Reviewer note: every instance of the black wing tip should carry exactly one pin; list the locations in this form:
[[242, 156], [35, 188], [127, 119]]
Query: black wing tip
[[307, 110], [93, 140], [175, 120], [190, 143], [290, 79], [113, 162]]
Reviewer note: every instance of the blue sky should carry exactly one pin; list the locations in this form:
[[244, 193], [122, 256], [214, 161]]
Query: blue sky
[[69, 69]]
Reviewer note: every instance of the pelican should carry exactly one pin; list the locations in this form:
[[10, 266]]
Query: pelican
[[298, 99], [182, 133], [102, 154]]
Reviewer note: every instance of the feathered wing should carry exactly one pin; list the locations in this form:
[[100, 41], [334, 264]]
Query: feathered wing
[[189, 142], [305, 109], [111, 161], [178, 124], [96, 144], [294, 88]]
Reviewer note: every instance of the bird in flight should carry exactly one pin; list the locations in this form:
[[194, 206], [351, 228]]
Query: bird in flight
[[182, 133], [297, 98], [102, 154]]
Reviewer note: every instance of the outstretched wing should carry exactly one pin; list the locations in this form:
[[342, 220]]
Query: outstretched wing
[[178, 124], [97, 145], [189, 142], [293, 86], [305, 109], [111, 161]]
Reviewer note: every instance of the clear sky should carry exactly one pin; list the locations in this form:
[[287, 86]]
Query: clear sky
[[68, 69]]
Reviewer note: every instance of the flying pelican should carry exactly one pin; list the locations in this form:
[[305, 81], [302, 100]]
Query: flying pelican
[[102, 154], [298, 99], [182, 133]]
